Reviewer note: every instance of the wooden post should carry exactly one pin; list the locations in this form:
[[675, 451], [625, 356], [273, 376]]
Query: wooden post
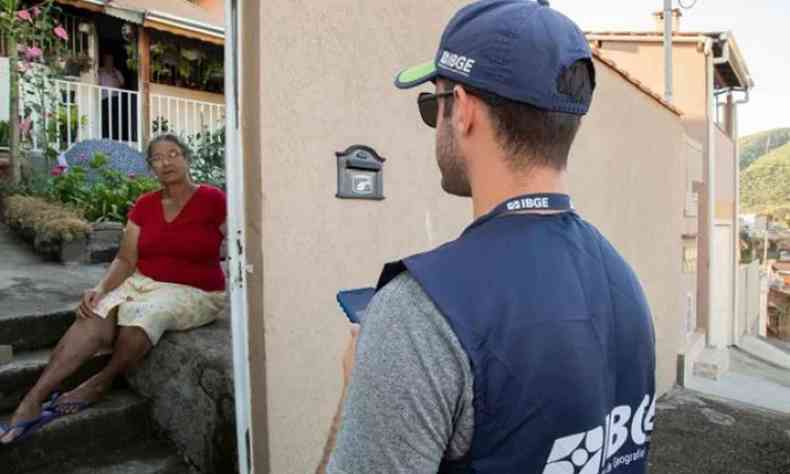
[[144, 83]]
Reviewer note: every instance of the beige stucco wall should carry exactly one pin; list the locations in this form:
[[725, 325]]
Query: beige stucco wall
[[645, 61], [631, 185], [215, 7], [326, 84], [691, 217], [341, 58]]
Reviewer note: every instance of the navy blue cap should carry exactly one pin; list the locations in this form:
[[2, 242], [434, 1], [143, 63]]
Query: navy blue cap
[[516, 49]]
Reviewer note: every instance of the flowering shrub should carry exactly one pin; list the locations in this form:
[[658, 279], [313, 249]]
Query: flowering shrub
[[107, 198], [208, 161], [36, 61]]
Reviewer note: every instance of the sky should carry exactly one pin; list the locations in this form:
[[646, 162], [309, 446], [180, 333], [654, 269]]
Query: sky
[[759, 27]]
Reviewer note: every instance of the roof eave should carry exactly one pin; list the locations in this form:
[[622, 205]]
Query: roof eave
[[183, 23], [646, 37], [142, 17], [740, 63]]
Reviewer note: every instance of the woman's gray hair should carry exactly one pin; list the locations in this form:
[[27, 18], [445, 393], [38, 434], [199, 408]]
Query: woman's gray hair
[[171, 138]]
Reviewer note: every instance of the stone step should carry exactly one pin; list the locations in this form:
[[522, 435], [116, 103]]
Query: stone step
[[120, 420], [147, 457], [19, 375], [35, 331]]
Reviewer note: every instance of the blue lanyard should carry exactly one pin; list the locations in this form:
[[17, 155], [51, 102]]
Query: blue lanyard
[[525, 203]]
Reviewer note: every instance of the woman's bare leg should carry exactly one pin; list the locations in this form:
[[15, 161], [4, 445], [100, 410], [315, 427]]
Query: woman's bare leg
[[131, 346], [83, 339]]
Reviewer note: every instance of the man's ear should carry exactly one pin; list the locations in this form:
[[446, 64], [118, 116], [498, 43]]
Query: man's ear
[[464, 110]]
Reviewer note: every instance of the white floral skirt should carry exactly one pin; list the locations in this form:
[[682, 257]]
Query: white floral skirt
[[156, 307]]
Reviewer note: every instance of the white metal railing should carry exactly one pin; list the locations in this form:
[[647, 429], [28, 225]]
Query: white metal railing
[[184, 116], [87, 111]]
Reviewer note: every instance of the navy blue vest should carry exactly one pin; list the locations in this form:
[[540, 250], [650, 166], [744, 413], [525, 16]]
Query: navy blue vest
[[559, 336]]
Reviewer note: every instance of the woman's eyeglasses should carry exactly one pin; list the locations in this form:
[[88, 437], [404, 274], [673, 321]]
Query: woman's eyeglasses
[[428, 104], [158, 158]]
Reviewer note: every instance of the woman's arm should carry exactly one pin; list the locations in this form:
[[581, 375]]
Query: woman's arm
[[120, 269], [125, 261]]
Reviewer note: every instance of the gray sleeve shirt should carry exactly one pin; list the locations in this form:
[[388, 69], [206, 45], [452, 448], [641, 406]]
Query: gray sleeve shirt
[[409, 403]]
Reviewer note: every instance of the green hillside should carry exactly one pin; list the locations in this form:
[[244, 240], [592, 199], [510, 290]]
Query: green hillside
[[754, 146], [765, 184]]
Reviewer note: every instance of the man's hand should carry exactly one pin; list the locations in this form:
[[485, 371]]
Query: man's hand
[[348, 357], [89, 301], [348, 366]]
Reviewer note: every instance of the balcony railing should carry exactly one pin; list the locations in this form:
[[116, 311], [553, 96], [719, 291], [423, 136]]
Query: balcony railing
[[184, 116], [87, 111]]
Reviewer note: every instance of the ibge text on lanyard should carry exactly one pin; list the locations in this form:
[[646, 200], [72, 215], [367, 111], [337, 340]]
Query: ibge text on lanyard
[[552, 202]]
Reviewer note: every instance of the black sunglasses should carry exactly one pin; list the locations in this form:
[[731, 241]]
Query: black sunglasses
[[428, 104]]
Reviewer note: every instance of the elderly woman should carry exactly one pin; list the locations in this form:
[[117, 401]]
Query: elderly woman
[[166, 276]]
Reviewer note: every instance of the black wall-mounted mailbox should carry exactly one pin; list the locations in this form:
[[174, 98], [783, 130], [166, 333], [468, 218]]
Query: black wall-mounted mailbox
[[360, 173]]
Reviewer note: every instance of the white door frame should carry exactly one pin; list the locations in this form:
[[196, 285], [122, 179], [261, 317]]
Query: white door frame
[[722, 305], [237, 268]]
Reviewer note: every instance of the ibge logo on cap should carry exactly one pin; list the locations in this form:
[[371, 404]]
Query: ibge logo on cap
[[455, 62]]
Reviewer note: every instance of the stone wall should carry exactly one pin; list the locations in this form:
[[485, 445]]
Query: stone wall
[[189, 378]]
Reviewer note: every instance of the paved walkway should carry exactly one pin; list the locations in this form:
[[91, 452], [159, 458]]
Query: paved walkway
[[750, 381], [29, 285], [700, 434]]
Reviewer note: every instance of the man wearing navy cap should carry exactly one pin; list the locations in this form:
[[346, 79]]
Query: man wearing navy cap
[[526, 345]]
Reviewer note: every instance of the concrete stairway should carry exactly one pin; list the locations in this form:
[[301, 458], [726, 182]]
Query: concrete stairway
[[114, 436]]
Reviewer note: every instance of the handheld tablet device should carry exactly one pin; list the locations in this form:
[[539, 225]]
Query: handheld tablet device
[[354, 302]]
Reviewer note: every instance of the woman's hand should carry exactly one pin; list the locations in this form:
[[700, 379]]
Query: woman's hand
[[89, 301]]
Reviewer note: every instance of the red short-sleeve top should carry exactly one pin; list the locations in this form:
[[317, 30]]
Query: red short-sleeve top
[[186, 250]]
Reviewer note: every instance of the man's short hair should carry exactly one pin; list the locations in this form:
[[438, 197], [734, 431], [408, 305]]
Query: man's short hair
[[533, 136]]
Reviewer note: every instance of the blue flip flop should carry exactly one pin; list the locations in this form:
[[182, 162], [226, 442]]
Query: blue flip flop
[[52, 399], [29, 427], [67, 408]]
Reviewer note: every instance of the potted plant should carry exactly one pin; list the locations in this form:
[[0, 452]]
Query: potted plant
[[77, 64]]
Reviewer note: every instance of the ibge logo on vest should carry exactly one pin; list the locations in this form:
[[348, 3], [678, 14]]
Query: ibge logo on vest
[[595, 451]]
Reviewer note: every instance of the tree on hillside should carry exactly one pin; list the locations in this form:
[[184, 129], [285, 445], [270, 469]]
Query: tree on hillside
[[765, 184], [754, 146]]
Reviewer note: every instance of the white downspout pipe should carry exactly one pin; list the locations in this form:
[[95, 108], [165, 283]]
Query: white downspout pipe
[[710, 191], [668, 50], [737, 211], [724, 59]]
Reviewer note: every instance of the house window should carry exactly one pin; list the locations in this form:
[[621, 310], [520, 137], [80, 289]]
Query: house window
[[78, 30], [185, 62], [689, 255]]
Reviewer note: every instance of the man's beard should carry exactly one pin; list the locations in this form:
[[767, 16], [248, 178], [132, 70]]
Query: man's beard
[[451, 165]]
